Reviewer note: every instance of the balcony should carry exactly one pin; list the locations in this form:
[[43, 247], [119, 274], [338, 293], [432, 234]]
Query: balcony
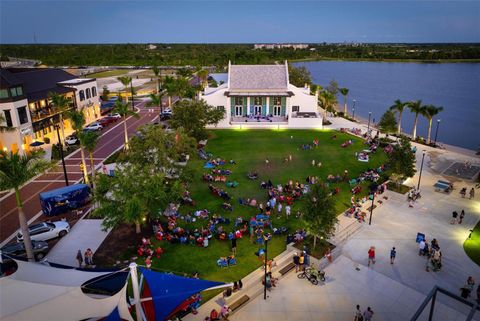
[[45, 112]]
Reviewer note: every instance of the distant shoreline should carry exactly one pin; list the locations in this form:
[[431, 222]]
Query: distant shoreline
[[420, 61]]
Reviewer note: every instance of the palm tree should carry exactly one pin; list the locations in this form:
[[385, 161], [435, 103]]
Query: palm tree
[[156, 71], [78, 121], [326, 100], [124, 111], [156, 100], [16, 170], [125, 82], [3, 128], [170, 88], [344, 92], [88, 141], [203, 75], [429, 112], [416, 108], [398, 107], [62, 104]]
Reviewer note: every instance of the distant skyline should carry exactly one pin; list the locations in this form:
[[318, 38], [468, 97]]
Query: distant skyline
[[226, 21]]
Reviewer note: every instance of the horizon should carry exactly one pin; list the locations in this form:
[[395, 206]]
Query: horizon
[[238, 22]]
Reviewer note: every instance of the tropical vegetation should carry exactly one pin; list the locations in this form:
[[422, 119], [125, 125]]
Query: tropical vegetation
[[125, 112]]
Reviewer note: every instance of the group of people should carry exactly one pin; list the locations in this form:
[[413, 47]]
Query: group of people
[[457, 218], [463, 192], [365, 316], [87, 258], [432, 252]]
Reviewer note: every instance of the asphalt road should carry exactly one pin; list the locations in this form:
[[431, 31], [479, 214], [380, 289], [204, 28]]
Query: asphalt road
[[111, 140]]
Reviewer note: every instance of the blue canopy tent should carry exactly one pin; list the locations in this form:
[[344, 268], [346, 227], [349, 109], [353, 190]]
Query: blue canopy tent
[[169, 291]]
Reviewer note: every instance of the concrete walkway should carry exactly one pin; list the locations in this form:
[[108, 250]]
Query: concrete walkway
[[85, 234]]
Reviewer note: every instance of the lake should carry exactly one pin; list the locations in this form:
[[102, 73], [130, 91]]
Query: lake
[[375, 86]]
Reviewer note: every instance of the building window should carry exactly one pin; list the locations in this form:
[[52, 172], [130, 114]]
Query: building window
[[8, 118], [221, 108], [94, 91], [296, 108], [88, 93], [81, 94], [3, 93], [277, 101], [257, 101], [22, 114], [238, 101], [16, 91]]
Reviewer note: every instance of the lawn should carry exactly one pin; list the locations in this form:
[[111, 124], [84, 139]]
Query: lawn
[[109, 73], [249, 148], [472, 245]]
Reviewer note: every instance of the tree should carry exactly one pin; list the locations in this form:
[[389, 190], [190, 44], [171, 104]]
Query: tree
[[429, 112], [344, 92], [125, 80], [203, 75], [299, 76], [88, 142], [4, 128], [123, 110], [388, 123], [326, 101], [401, 161], [105, 93], [415, 107], [62, 104], [398, 107], [15, 171], [156, 100], [332, 87], [156, 72], [193, 116], [319, 214], [78, 121]]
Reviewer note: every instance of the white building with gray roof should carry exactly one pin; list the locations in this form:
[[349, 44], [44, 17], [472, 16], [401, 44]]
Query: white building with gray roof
[[260, 96]]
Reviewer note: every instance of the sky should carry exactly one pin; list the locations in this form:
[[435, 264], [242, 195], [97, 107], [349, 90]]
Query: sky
[[226, 21]]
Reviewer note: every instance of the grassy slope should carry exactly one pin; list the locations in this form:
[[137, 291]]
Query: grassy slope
[[109, 73], [249, 149], [472, 246]]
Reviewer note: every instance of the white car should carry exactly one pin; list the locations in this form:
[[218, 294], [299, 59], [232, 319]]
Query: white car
[[71, 140], [115, 115], [46, 231], [93, 127]]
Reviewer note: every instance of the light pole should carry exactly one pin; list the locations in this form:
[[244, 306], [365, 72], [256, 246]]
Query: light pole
[[368, 127], [436, 131], [61, 154], [353, 109], [266, 237], [373, 189], [421, 169]]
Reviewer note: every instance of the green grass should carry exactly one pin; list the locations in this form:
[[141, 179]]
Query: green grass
[[472, 245], [109, 73], [249, 148]]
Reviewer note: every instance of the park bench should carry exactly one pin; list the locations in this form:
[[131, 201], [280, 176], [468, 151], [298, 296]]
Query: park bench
[[237, 304], [287, 268]]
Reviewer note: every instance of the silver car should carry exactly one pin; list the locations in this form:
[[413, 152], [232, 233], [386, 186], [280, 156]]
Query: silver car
[[46, 231]]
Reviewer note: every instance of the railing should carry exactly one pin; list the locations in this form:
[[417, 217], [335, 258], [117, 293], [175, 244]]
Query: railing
[[432, 296], [46, 112]]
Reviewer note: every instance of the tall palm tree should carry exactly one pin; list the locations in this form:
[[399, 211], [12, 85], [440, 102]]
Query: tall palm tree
[[16, 170], [124, 111], [327, 101], [156, 72], [415, 107], [156, 100], [88, 141], [398, 107], [62, 104], [429, 112], [170, 86], [344, 92], [125, 80], [4, 128], [78, 121]]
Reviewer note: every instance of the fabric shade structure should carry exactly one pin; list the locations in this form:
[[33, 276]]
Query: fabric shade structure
[[168, 291], [42, 292]]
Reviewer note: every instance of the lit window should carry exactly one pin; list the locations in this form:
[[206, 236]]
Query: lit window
[[3, 93]]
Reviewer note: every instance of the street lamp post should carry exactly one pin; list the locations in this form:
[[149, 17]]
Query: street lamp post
[[368, 127], [61, 155], [266, 237], [131, 90], [371, 209], [421, 169], [436, 131], [353, 109]]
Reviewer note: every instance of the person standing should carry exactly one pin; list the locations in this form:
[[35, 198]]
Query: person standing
[[279, 213], [225, 312], [472, 193], [368, 314], [287, 211], [421, 247], [88, 257], [454, 217], [302, 262], [393, 254], [296, 261], [371, 255], [234, 245], [462, 215], [79, 258], [358, 314], [468, 287]]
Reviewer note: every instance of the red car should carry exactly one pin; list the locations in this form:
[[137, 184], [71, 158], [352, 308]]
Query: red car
[[106, 120]]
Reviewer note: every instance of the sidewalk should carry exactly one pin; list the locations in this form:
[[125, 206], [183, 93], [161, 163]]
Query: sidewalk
[[85, 234]]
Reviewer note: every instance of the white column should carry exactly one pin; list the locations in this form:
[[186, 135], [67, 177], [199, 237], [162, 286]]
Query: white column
[[248, 106], [268, 106], [136, 292]]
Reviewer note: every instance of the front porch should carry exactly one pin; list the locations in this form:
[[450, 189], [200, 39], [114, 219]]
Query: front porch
[[259, 119]]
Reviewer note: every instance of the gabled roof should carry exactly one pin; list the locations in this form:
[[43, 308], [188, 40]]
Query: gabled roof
[[258, 77]]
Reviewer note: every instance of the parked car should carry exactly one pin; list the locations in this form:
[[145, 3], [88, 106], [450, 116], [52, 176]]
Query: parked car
[[165, 116], [46, 231], [105, 121], [40, 249], [115, 115], [64, 199], [93, 127], [72, 140]]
